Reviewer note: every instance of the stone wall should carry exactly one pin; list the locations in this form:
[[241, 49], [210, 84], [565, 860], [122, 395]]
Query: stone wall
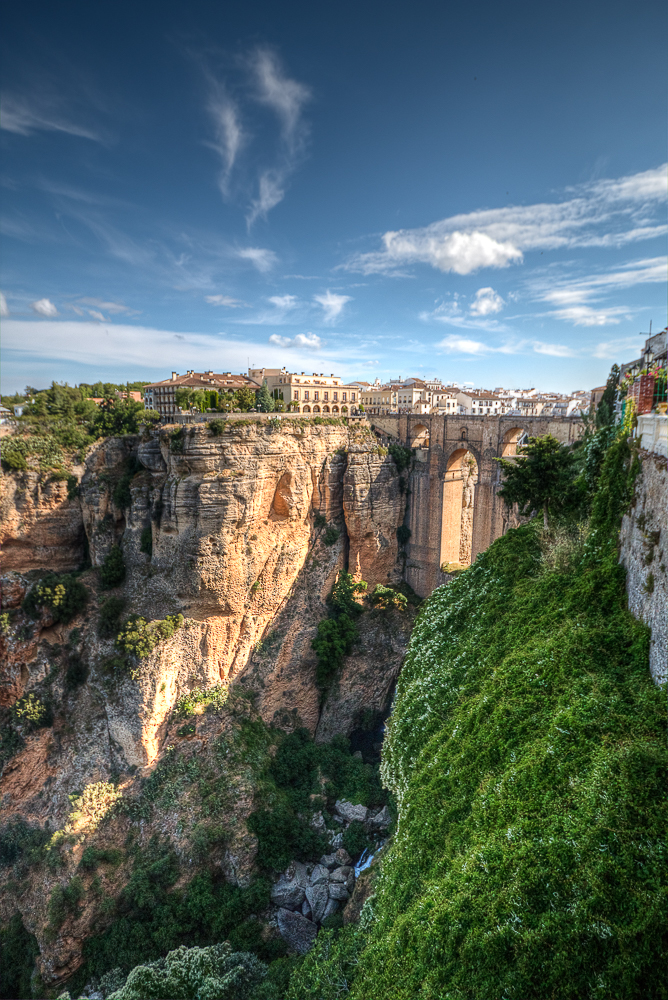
[[644, 553]]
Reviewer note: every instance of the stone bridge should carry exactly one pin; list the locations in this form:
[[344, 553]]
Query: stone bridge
[[453, 508]]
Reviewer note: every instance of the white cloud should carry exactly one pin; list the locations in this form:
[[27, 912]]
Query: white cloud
[[23, 117], [96, 315], [332, 304], [602, 213], [284, 302], [586, 316], [461, 345], [554, 350], [110, 307], [309, 340], [44, 307], [4, 309], [262, 259], [224, 300], [286, 98], [617, 348], [229, 134], [486, 302]]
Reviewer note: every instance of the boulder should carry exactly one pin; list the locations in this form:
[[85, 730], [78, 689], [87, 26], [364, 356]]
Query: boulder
[[297, 932], [288, 892], [338, 890], [336, 840], [332, 907], [381, 820], [319, 875], [343, 856], [344, 875], [306, 909], [318, 823], [336, 859], [349, 812], [317, 896]]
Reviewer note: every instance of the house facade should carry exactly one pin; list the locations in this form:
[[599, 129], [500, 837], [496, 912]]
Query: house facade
[[161, 396]]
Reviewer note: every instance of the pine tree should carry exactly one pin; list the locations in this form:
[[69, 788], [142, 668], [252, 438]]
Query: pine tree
[[540, 478], [265, 403]]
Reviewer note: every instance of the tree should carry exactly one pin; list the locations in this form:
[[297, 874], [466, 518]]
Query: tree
[[605, 411], [246, 398], [540, 477], [265, 403]]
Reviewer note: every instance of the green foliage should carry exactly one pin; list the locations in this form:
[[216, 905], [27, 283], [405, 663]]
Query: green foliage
[[18, 950], [12, 456], [112, 570], [64, 595], [5, 622], [527, 754], [33, 712], [245, 399], [63, 902], [138, 637], [402, 456], [199, 699], [121, 494], [329, 969], [213, 973], [319, 521], [335, 635], [21, 843], [93, 857], [283, 836], [110, 615], [356, 839], [331, 535], [265, 402], [77, 671], [542, 477], [403, 534], [386, 597], [146, 541], [217, 427], [177, 440], [605, 411]]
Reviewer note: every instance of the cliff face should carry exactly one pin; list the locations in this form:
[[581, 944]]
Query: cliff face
[[228, 531]]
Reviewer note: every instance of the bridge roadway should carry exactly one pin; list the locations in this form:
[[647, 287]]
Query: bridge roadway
[[453, 508]]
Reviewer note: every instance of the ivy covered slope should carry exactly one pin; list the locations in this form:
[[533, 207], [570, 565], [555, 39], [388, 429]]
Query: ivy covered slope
[[527, 753]]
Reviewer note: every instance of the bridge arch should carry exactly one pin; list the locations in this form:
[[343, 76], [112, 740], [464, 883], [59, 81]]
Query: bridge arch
[[419, 435], [459, 483], [512, 440]]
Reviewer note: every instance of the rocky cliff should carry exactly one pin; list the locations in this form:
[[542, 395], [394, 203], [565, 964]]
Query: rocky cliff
[[243, 533]]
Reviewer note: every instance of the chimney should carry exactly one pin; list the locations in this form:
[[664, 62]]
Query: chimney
[[175, 375]]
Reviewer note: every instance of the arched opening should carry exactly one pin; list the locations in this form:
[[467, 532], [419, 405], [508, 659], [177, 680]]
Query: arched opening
[[420, 436], [344, 409], [307, 409], [316, 409], [335, 409], [325, 409], [512, 440], [457, 515]]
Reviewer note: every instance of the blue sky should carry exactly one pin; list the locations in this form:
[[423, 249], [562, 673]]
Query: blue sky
[[371, 189]]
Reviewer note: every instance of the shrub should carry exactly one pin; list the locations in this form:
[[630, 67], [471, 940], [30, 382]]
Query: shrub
[[355, 839], [32, 712], [12, 459], [177, 440], [112, 570], [402, 456], [334, 640], [94, 856], [77, 671], [331, 535], [283, 836], [64, 595], [139, 637], [199, 699], [319, 520], [64, 901], [217, 427], [386, 597], [110, 613], [21, 842], [146, 541], [5, 622], [403, 534]]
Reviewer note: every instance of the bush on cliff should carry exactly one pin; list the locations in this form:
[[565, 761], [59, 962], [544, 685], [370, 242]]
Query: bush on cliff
[[64, 595], [336, 634], [112, 570], [527, 754]]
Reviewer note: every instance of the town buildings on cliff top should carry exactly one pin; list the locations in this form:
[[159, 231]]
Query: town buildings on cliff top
[[320, 394]]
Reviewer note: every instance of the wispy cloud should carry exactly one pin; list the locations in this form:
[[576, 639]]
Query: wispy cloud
[[23, 116], [601, 213], [452, 344], [260, 258], [309, 340], [224, 300], [44, 307], [554, 350], [286, 98], [229, 135], [332, 304], [4, 309]]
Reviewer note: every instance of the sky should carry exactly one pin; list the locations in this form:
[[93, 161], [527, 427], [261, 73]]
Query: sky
[[375, 190]]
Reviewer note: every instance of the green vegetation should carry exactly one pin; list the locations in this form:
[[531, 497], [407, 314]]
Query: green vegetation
[[605, 411], [146, 541], [64, 902], [32, 712], [110, 616], [386, 597], [199, 699], [542, 477], [336, 634], [138, 637], [331, 535], [64, 595], [217, 427], [402, 456], [199, 399], [112, 570], [21, 844], [93, 856], [265, 402], [121, 493], [527, 754], [18, 950], [177, 440]]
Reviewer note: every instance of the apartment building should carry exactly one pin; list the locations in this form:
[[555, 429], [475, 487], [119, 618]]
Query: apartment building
[[161, 396], [479, 402], [316, 393]]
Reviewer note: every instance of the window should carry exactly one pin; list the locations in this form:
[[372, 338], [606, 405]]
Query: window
[[343, 397], [305, 393], [325, 395], [336, 397], [296, 393], [316, 395], [352, 397]]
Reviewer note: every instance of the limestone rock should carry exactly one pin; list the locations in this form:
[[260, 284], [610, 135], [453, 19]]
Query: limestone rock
[[338, 890], [381, 820], [289, 891], [351, 812], [319, 875], [317, 896], [318, 823], [332, 906], [335, 860], [297, 932]]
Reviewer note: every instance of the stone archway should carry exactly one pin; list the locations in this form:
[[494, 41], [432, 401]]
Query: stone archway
[[335, 409], [344, 409], [316, 409], [459, 485], [512, 440], [420, 436], [325, 408], [307, 409]]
